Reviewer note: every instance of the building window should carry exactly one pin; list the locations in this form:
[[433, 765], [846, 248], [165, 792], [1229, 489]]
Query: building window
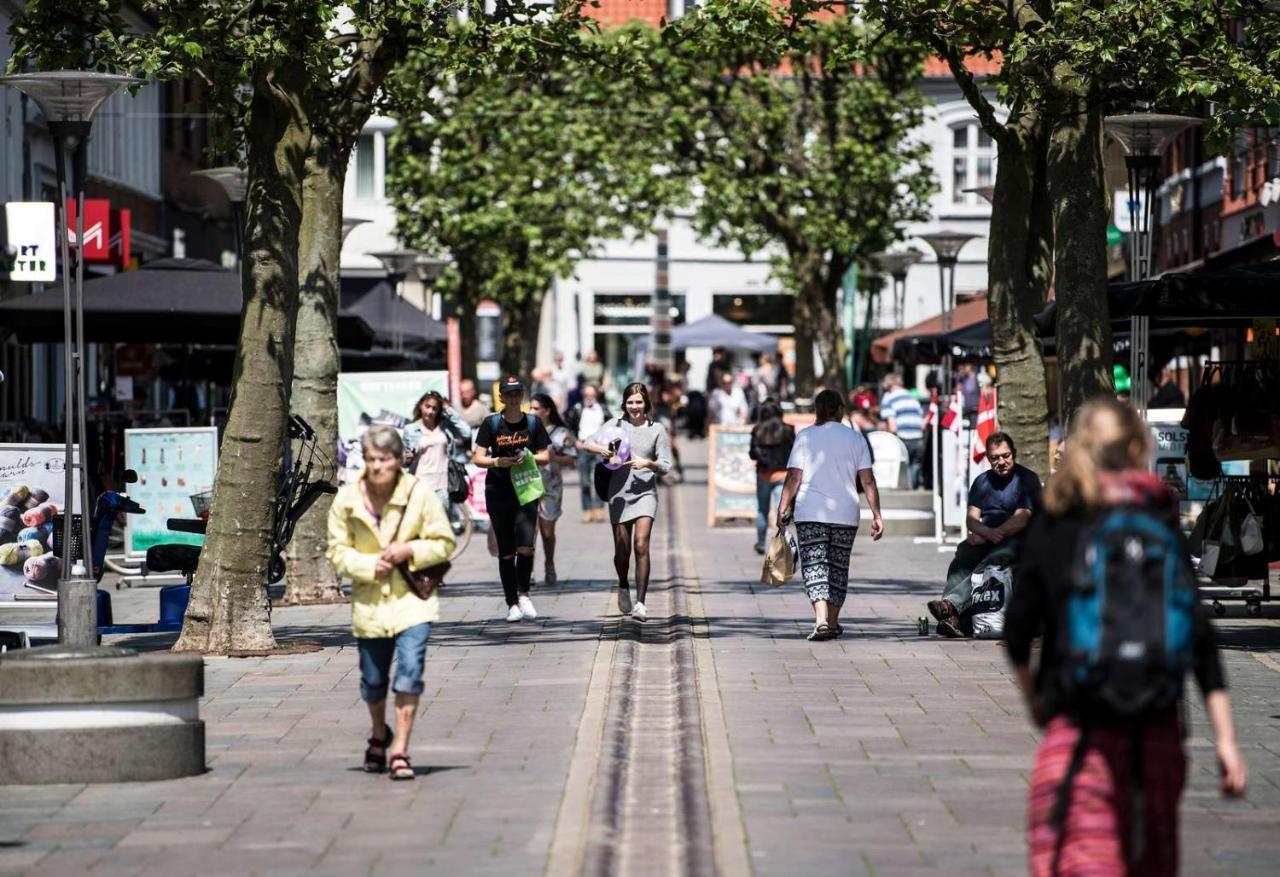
[[973, 159], [755, 309], [364, 166]]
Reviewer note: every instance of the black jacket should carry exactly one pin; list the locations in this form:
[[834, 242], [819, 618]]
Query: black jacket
[[772, 457]]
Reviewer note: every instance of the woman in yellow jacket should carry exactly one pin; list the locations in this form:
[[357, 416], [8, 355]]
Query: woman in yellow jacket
[[376, 523]]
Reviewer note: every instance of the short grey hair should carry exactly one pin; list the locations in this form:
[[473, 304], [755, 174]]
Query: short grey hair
[[383, 438]]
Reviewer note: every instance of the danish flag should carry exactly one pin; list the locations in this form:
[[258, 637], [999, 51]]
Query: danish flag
[[954, 418], [986, 423], [932, 414]]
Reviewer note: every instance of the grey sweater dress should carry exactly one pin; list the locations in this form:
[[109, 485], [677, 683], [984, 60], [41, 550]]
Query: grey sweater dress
[[633, 493]]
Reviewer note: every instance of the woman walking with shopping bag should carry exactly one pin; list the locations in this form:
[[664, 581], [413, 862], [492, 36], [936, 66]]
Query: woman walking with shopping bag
[[390, 535], [639, 452], [511, 445], [820, 494]]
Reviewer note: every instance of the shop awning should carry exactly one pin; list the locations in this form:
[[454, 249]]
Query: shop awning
[[1196, 299], [716, 331], [168, 301], [386, 313], [925, 341]]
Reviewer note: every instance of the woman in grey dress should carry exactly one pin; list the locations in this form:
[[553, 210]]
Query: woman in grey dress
[[633, 492]]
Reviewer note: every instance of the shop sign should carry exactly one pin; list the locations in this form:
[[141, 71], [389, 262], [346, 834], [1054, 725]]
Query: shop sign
[[30, 241], [99, 220], [176, 467]]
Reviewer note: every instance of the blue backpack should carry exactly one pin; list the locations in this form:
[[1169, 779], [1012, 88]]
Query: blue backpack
[[1128, 641]]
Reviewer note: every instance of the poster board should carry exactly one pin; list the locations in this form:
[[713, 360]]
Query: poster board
[[731, 481], [36, 466], [365, 398], [173, 464], [1169, 461]]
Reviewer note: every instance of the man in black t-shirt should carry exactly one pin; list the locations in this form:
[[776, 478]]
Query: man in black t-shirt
[[1001, 502], [503, 441]]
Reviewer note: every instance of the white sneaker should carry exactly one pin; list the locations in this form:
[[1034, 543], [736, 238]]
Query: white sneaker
[[624, 599], [514, 613], [526, 607], [639, 613]]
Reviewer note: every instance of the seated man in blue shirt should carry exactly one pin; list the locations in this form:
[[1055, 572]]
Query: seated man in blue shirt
[[1000, 505]]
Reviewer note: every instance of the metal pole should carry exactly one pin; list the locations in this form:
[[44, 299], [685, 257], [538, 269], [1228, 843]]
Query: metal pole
[[68, 378], [82, 399]]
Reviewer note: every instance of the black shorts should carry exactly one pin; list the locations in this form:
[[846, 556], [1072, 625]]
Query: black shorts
[[514, 525]]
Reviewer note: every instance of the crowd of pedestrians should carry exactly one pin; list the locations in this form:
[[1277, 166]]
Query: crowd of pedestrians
[[1100, 574]]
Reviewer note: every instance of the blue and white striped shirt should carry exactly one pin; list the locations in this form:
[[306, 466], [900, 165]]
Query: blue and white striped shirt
[[904, 410]]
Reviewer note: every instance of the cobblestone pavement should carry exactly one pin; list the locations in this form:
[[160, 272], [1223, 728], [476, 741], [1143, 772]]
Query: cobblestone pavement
[[882, 753]]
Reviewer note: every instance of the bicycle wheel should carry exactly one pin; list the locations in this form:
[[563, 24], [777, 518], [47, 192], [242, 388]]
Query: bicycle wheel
[[463, 527]]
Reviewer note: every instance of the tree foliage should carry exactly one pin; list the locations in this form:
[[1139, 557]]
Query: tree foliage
[[797, 131], [516, 173]]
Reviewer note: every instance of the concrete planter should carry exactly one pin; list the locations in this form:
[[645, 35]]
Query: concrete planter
[[99, 715]]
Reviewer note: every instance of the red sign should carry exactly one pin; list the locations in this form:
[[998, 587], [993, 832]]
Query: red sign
[[455, 359], [97, 228]]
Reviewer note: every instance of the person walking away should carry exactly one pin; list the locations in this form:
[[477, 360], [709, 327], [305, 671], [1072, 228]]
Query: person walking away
[[771, 442], [905, 418], [507, 444], [584, 420], [827, 462], [430, 442], [1107, 690], [470, 408], [561, 454], [1001, 503], [379, 525], [633, 492], [728, 405]]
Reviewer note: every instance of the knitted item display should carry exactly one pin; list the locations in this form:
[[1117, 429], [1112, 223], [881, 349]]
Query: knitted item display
[[17, 553], [46, 567]]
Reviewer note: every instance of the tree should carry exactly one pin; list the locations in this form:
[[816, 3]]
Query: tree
[[517, 173], [796, 131], [292, 80], [1063, 67]]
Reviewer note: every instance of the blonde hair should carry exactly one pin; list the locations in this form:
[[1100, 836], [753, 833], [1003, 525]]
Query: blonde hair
[[1106, 436]]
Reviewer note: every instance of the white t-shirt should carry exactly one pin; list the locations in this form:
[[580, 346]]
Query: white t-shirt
[[831, 456]]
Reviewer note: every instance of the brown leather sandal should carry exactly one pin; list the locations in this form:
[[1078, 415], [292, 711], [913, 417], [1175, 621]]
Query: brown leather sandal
[[401, 769]]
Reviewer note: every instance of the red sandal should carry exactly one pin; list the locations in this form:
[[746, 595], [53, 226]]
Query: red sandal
[[401, 769]]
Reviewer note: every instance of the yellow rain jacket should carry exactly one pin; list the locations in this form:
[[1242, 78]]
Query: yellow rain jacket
[[383, 607]]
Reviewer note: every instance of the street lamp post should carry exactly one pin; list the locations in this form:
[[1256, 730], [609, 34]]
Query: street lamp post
[[947, 245], [69, 99], [429, 268], [349, 224], [397, 264], [235, 183], [1144, 137], [896, 265]]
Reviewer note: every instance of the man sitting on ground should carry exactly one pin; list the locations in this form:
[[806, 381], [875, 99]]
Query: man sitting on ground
[[1000, 505]]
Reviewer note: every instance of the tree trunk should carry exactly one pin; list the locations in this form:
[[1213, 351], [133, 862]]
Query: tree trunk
[[520, 322], [311, 578], [830, 336], [1016, 259], [1081, 208], [229, 608], [816, 326], [466, 310]]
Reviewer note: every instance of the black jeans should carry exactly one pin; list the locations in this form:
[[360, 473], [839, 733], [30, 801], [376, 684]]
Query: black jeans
[[514, 526]]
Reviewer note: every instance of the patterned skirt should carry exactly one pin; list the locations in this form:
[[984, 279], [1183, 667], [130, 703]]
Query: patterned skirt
[[1099, 823], [824, 559]]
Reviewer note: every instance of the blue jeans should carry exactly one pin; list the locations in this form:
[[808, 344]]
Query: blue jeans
[[586, 474], [767, 494], [410, 650]]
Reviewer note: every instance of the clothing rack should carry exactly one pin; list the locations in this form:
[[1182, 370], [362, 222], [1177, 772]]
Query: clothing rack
[[1252, 592]]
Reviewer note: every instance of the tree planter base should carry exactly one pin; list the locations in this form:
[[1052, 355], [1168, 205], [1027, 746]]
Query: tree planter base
[[99, 715]]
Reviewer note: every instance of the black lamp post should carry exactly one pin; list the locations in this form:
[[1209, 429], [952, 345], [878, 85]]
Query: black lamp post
[[896, 265], [1144, 137], [235, 183], [398, 264], [69, 99]]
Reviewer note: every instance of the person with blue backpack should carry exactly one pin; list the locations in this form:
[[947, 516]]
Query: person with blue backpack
[[1105, 578], [511, 445]]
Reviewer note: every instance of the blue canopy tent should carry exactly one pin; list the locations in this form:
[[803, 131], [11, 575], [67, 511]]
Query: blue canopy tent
[[716, 331]]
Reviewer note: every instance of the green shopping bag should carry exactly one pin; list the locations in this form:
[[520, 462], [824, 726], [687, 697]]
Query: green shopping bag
[[527, 480]]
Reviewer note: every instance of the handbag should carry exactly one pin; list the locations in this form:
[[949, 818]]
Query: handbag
[[779, 559], [458, 487], [600, 478], [423, 581], [1251, 541]]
